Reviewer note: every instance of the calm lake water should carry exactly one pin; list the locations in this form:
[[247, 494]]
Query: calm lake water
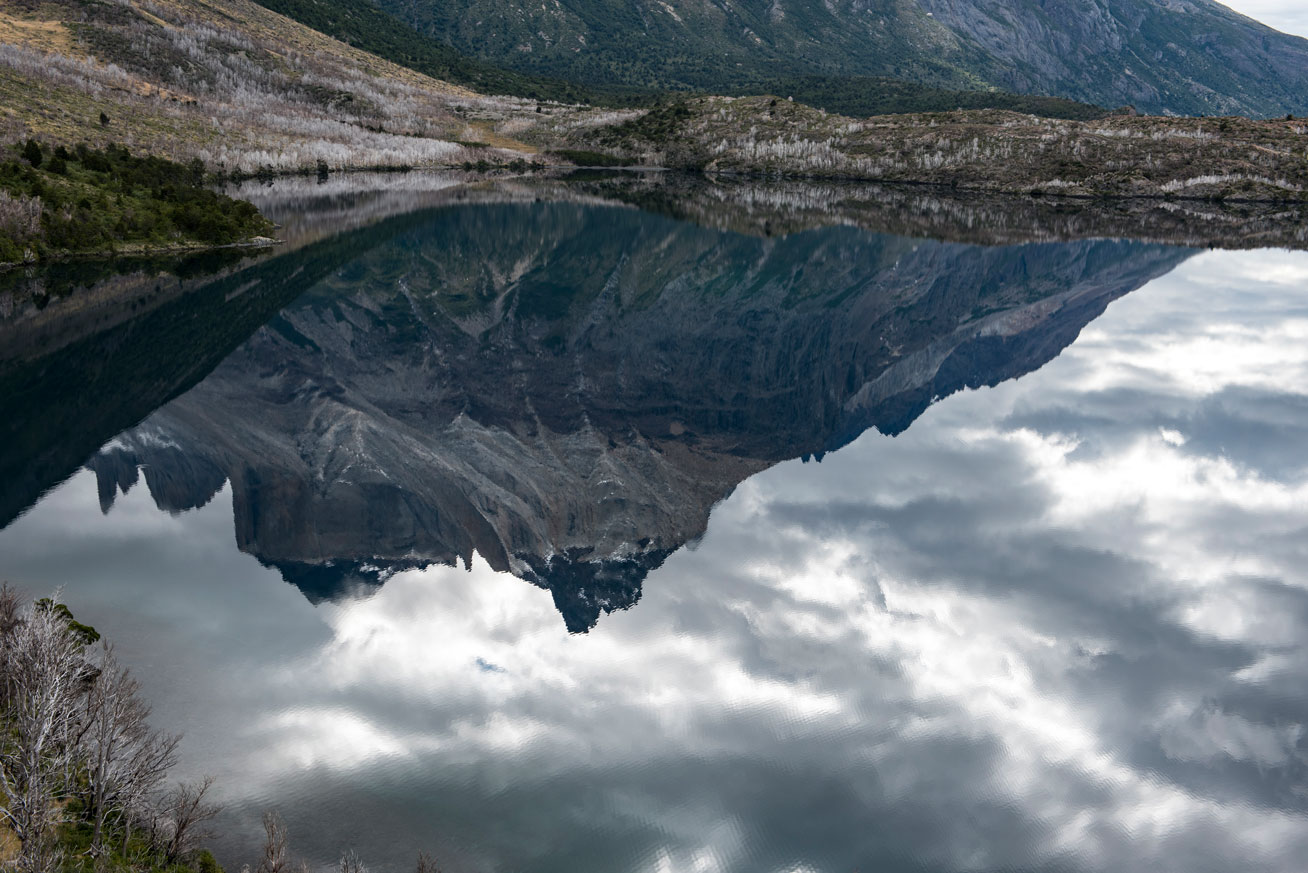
[[562, 536]]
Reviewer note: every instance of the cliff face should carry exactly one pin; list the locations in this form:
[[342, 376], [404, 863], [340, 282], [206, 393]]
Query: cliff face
[[1163, 56], [567, 389]]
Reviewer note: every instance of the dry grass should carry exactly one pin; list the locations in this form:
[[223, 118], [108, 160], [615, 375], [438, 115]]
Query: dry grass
[[8, 846], [16, 26], [242, 88]]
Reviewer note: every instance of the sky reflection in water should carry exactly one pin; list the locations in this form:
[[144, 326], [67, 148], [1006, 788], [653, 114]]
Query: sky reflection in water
[[1057, 624]]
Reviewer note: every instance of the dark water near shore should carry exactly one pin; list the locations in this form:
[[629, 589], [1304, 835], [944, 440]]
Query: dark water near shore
[[562, 536]]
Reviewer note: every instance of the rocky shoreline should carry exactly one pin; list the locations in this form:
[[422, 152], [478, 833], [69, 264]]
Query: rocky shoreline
[[1163, 158]]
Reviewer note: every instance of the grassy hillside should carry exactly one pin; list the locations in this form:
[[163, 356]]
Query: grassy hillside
[[238, 86]]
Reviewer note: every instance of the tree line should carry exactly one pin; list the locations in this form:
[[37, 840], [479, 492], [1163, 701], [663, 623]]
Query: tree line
[[57, 199]]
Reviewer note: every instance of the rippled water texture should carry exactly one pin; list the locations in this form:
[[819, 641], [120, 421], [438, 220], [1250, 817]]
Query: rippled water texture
[[605, 558]]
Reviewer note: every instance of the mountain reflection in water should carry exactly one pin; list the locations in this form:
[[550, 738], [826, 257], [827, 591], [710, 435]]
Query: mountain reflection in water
[[567, 390], [1056, 623]]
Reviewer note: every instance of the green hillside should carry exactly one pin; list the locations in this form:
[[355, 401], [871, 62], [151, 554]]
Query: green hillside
[[1196, 57], [367, 27], [58, 201]]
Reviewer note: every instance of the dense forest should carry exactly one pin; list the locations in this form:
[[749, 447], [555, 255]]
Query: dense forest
[[367, 27], [57, 200], [1162, 57]]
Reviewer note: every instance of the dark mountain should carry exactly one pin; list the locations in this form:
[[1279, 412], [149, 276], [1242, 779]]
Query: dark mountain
[[367, 27], [1162, 56], [568, 389], [88, 348]]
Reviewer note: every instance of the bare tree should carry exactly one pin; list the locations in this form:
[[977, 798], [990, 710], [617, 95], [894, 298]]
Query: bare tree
[[350, 863], [10, 610], [185, 812], [44, 671], [426, 864], [276, 857], [124, 760], [10, 616]]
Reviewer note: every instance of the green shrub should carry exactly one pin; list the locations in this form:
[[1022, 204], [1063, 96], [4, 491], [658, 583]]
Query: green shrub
[[32, 153], [104, 199], [583, 158]]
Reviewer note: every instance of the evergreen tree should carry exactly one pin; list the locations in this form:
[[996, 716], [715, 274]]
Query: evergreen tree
[[32, 153]]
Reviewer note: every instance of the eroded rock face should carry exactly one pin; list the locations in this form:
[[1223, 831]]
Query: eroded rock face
[[567, 390]]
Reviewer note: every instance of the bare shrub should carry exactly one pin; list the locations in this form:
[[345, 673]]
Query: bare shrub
[[44, 672], [276, 851], [123, 759], [183, 815], [20, 217]]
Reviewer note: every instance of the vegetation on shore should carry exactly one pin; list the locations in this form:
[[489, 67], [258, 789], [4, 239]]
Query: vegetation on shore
[[59, 201], [82, 773], [863, 96]]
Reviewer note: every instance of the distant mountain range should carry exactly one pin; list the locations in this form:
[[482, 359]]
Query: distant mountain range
[[1193, 57]]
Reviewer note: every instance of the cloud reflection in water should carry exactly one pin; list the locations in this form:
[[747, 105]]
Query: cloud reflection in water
[[1058, 624]]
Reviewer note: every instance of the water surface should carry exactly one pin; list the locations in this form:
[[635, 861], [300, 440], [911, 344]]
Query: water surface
[[562, 536]]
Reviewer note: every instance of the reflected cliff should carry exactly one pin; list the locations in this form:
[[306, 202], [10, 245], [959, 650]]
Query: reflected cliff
[[567, 389]]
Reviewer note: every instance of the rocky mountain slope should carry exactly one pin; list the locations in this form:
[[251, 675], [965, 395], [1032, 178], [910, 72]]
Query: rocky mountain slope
[[246, 91], [1162, 56], [567, 389], [240, 87]]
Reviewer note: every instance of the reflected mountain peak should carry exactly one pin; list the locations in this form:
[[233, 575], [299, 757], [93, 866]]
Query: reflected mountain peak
[[568, 388]]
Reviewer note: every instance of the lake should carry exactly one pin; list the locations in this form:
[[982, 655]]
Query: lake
[[585, 527]]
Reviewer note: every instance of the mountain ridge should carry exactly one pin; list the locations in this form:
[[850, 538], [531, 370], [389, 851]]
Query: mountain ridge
[[367, 27], [1193, 57]]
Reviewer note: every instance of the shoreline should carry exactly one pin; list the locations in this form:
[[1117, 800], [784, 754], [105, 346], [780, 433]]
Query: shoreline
[[681, 180], [138, 251], [979, 187]]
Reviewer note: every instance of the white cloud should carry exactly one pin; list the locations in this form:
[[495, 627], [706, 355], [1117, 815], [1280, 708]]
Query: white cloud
[[1288, 16]]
